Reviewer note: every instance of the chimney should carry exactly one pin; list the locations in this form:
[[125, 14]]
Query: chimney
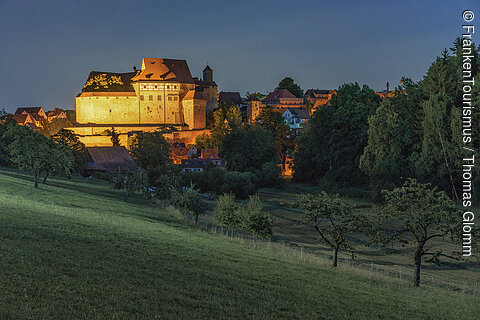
[[134, 68], [388, 87]]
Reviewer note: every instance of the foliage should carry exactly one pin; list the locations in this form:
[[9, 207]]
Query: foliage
[[423, 213], [60, 160], [255, 219], [114, 136], [226, 211], [151, 152], [189, 200], [250, 217], [6, 123], [269, 175], [225, 117], [247, 149], [289, 84], [242, 184], [130, 181], [333, 219], [393, 136], [68, 138], [336, 136]]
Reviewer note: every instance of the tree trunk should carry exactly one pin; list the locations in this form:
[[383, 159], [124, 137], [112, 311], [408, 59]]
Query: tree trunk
[[45, 178], [36, 175], [418, 263], [196, 219], [335, 257]]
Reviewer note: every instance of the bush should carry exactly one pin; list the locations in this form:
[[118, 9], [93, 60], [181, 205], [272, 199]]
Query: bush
[[269, 174], [189, 200], [226, 212], [255, 220], [242, 184]]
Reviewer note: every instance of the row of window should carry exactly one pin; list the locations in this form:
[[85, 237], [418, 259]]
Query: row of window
[[159, 98], [157, 87]]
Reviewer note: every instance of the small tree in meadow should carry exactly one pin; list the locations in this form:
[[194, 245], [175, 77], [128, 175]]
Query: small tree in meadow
[[130, 181], [421, 214], [255, 219], [333, 219], [226, 211], [189, 200], [60, 160]]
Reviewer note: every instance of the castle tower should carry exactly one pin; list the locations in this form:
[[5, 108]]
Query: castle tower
[[207, 74]]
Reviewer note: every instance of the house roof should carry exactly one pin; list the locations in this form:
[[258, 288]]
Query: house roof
[[233, 97], [28, 110], [160, 69], [301, 113], [280, 94], [113, 158], [193, 94], [197, 163], [209, 153], [99, 81], [179, 151], [20, 118], [207, 68], [55, 112]]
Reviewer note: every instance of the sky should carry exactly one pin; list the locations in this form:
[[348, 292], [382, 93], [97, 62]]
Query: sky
[[48, 47]]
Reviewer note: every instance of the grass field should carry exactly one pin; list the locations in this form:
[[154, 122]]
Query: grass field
[[74, 250], [456, 275]]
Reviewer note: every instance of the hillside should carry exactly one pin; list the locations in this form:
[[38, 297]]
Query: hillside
[[74, 250]]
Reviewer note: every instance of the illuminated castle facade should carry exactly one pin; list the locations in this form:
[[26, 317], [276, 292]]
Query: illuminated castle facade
[[161, 94]]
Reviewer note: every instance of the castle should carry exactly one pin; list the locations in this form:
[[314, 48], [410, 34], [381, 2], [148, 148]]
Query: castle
[[162, 95]]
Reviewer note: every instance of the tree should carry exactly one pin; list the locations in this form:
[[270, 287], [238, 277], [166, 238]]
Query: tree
[[190, 201], [247, 149], [394, 134], [130, 181], [332, 219], [6, 122], [59, 160], [336, 137], [284, 138], [242, 184], [114, 136], [420, 214], [255, 219], [151, 152], [226, 116], [69, 138], [226, 211], [289, 84], [28, 149]]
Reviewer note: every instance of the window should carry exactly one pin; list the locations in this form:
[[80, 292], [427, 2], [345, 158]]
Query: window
[[169, 98], [159, 98], [150, 97], [141, 97], [175, 98], [168, 87]]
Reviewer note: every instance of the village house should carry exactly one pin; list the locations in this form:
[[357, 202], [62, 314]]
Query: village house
[[318, 98], [108, 159], [230, 98], [199, 164], [56, 113], [282, 99], [296, 118]]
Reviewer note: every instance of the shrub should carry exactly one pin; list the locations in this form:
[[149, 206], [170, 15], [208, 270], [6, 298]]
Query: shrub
[[242, 184], [226, 212]]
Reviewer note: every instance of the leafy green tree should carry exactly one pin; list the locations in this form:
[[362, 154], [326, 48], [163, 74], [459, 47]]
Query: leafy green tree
[[247, 149], [255, 219], [289, 84], [190, 201], [151, 152], [333, 219], [242, 184], [69, 138], [421, 214], [226, 211], [60, 160], [394, 134], [130, 181], [225, 117], [28, 149], [284, 138], [336, 137], [6, 122], [114, 136]]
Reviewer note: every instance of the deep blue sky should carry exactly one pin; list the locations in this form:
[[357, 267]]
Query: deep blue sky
[[49, 47]]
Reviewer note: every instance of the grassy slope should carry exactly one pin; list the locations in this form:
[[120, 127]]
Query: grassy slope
[[73, 249]]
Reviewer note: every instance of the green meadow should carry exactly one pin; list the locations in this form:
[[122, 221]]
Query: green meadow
[[74, 250]]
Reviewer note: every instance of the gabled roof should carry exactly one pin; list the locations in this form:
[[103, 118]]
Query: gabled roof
[[113, 158], [20, 118], [232, 97], [280, 94], [55, 112], [28, 110], [194, 94], [98, 81], [159, 69], [207, 68], [301, 113]]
